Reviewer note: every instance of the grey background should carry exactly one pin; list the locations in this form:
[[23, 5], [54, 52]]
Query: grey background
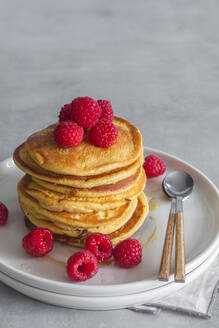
[[157, 61]]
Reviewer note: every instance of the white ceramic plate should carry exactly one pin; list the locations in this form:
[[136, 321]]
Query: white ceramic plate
[[102, 303], [201, 240]]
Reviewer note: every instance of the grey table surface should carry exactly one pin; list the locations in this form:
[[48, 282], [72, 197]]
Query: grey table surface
[[158, 63]]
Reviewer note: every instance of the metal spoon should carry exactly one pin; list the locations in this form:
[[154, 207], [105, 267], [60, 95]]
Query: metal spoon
[[178, 185]]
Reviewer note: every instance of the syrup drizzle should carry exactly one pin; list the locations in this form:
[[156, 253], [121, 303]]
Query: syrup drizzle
[[141, 237], [151, 238], [102, 281], [54, 261], [153, 204], [108, 262], [26, 266]]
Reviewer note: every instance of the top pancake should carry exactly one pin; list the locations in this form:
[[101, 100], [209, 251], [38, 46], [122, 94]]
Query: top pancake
[[26, 164], [85, 159]]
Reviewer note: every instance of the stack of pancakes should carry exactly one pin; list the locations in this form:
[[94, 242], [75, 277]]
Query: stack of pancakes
[[84, 189]]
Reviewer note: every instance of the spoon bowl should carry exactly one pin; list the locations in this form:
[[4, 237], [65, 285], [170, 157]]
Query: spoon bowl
[[178, 184]]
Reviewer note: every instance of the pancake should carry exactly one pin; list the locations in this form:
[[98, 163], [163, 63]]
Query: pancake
[[89, 222], [104, 221], [42, 223], [100, 191], [127, 230], [85, 159], [55, 201], [134, 223], [26, 164]]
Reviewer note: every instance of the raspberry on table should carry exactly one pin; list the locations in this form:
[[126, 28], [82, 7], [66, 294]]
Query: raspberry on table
[[85, 111], [82, 265], [106, 109], [104, 134], [154, 166], [38, 242], [128, 253], [65, 113], [3, 214], [100, 245], [68, 134]]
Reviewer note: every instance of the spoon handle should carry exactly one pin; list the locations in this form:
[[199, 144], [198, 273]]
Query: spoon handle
[[164, 271], [180, 257]]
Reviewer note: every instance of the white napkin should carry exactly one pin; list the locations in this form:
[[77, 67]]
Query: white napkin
[[196, 298]]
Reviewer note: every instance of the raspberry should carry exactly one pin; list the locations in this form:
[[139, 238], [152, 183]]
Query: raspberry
[[65, 113], [128, 253], [104, 134], [154, 166], [38, 242], [3, 214], [82, 265], [107, 111], [85, 111], [100, 245], [68, 134]]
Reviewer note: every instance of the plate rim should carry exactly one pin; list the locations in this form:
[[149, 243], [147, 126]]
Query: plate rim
[[114, 289], [72, 300]]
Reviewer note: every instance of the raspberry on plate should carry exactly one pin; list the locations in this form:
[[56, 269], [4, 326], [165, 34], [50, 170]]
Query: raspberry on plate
[[68, 134], [128, 253], [85, 111], [106, 109], [65, 113], [154, 166], [38, 242], [82, 265], [100, 245], [104, 134], [3, 214]]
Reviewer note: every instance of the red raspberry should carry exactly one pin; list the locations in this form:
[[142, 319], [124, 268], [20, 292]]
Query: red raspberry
[[38, 242], [3, 214], [65, 113], [85, 111], [104, 134], [100, 245], [154, 166], [82, 265], [107, 111], [128, 253], [68, 134]]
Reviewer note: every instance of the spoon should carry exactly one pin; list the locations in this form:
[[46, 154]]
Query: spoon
[[178, 185]]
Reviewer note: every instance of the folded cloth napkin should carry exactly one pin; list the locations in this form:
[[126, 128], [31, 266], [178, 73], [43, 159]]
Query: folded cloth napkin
[[196, 298]]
